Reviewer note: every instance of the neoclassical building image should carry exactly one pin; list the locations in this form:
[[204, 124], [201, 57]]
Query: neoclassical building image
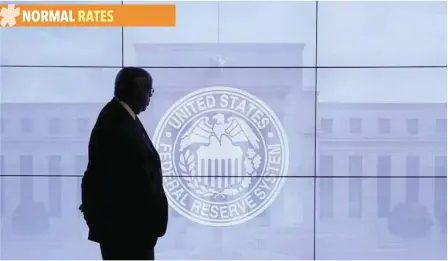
[[368, 158]]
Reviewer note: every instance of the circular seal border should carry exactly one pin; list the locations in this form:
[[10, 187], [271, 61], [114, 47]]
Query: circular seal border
[[272, 114]]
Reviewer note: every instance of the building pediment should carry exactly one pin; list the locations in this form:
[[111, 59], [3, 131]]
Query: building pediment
[[219, 55]]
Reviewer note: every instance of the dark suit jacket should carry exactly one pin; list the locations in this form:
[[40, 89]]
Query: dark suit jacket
[[122, 192]]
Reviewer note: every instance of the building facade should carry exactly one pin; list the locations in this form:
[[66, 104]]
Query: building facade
[[368, 157]]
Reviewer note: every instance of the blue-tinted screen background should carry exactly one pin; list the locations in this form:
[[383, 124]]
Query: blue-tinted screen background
[[360, 88]]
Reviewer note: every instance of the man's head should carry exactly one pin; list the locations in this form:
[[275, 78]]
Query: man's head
[[134, 86]]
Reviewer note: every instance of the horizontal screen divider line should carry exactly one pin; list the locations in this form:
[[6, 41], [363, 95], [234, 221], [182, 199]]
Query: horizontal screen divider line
[[227, 67], [290, 176]]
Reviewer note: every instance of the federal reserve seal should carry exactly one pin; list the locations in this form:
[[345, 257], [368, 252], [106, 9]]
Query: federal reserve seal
[[223, 153]]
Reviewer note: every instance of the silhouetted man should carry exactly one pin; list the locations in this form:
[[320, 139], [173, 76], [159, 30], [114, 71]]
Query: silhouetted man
[[123, 201]]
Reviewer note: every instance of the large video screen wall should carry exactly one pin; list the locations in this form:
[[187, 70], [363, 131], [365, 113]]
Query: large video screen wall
[[342, 106]]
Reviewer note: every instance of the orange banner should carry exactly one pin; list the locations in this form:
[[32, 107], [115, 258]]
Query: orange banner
[[47, 15]]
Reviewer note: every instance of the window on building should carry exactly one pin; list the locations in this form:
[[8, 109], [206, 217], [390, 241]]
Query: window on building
[[384, 186], [26, 180], [440, 205], [54, 165], [54, 126], [412, 126], [326, 125], [55, 196], [55, 186], [440, 166], [2, 125], [80, 164], [82, 126], [355, 186], [26, 165], [80, 168], [2, 165], [326, 187], [384, 126], [2, 186], [355, 126], [441, 126], [26, 125], [412, 184]]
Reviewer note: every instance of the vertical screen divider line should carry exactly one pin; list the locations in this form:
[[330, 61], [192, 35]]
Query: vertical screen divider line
[[315, 128], [122, 42], [219, 22]]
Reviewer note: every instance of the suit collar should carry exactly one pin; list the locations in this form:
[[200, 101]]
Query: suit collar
[[127, 108]]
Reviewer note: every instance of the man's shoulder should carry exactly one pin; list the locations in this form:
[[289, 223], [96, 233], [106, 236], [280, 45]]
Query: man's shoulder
[[109, 113], [107, 118], [112, 119], [108, 108]]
